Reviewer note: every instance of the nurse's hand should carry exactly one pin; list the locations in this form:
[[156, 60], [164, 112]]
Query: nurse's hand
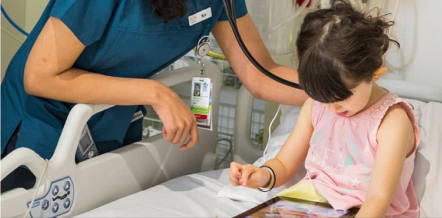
[[178, 121], [248, 175]]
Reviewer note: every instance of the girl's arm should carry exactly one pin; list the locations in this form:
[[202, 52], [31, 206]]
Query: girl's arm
[[49, 74], [258, 84], [286, 162], [395, 142]]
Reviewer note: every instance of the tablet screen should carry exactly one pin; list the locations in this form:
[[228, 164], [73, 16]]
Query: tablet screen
[[291, 207]]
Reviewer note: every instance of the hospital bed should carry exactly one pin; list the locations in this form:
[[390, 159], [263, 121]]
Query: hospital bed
[[152, 178]]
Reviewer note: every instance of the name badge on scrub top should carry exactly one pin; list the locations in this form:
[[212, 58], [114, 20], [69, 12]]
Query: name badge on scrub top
[[200, 16], [201, 101]]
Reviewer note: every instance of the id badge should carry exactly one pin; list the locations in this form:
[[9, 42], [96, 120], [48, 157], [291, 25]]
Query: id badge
[[201, 101], [200, 16]]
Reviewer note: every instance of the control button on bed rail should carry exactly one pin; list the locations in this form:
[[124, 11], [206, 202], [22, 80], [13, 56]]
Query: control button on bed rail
[[57, 201], [67, 185], [55, 190], [45, 205], [55, 208], [67, 203]]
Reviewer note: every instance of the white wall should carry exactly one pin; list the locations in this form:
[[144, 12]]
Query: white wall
[[419, 31], [34, 9], [11, 39], [25, 13]]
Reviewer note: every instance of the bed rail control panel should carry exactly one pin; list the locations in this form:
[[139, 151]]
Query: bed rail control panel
[[57, 201]]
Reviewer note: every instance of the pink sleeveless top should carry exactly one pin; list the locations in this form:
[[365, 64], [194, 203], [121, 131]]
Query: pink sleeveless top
[[342, 154]]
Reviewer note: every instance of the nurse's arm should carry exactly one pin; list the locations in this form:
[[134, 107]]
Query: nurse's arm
[[49, 73], [258, 84]]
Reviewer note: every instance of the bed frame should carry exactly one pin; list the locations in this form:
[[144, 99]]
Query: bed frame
[[112, 175]]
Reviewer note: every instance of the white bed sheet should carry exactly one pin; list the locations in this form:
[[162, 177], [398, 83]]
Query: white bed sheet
[[192, 195]]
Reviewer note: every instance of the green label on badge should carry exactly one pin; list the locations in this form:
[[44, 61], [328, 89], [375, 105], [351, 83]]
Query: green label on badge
[[199, 110]]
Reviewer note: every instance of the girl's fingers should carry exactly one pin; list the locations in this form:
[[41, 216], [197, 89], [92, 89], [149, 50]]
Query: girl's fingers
[[235, 173], [247, 171]]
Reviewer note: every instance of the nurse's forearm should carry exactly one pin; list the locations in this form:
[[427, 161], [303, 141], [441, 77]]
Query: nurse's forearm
[[257, 83], [79, 86], [270, 90]]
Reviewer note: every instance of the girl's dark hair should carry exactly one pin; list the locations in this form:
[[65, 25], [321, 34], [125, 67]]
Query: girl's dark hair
[[168, 10], [338, 49]]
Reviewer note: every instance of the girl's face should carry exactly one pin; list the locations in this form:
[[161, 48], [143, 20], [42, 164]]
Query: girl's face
[[364, 95], [355, 103]]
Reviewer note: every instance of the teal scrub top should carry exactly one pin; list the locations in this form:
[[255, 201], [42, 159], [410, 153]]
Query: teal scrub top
[[123, 38]]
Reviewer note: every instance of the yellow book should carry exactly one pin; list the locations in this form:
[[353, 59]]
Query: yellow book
[[303, 191]]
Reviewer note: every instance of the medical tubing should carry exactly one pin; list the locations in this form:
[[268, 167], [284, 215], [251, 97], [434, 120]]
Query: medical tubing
[[215, 55], [12, 22], [297, 13], [270, 130], [395, 11], [390, 29], [381, 3], [228, 152], [232, 20], [36, 189], [359, 3]]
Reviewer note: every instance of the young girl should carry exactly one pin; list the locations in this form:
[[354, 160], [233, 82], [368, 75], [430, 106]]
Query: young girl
[[357, 139]]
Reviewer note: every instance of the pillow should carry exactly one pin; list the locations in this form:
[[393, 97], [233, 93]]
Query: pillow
[[287, 120], [427, 175]]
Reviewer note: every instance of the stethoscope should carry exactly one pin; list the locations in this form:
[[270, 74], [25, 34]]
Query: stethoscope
[[230, 10]]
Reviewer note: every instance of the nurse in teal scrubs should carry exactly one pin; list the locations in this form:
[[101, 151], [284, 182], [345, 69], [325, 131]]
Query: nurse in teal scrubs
[[104, 52]]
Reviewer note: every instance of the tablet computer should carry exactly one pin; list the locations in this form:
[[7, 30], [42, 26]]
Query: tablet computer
[[292, 207]]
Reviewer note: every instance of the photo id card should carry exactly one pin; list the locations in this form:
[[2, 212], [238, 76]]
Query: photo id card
[[201, 101]]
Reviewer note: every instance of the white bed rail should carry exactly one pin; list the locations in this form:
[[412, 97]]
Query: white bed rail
[[22, 156], [64, 154], [244, 151], [112, 175]]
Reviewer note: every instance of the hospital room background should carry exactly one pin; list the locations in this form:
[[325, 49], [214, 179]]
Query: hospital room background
[[416, 62], [416, 29]]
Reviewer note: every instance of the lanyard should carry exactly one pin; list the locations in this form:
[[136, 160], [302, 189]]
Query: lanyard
[[202, 50]]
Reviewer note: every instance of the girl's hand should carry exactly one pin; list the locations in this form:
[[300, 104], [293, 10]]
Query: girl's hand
[[178, 121], [248, 175]]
